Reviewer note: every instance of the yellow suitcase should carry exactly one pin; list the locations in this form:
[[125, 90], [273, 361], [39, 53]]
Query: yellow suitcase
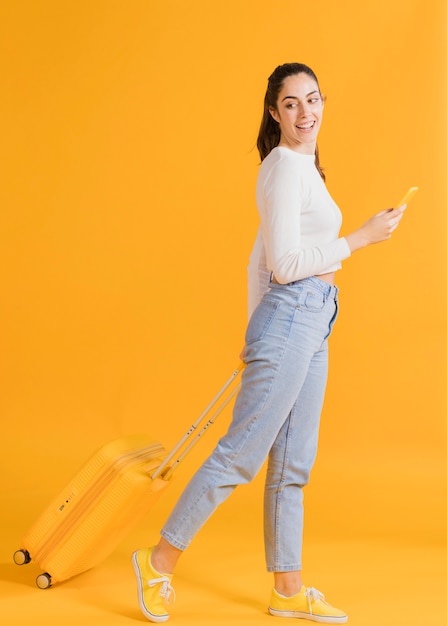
[[112, 492]]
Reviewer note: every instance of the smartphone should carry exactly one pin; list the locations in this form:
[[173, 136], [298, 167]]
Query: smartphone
[[407, 197]]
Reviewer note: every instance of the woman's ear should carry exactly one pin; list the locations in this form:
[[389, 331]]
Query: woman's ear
[[274, 113]]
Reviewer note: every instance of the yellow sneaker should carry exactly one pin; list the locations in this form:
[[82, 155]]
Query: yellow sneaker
[[309, 603], [154, 589]]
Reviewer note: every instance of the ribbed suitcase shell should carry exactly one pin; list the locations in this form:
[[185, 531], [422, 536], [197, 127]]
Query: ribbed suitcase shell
[[110, 494], [97, 508]]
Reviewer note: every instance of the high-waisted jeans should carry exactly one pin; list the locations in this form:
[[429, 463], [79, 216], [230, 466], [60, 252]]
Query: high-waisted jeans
[[276, 415]]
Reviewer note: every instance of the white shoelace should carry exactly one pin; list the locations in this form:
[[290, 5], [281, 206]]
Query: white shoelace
[[313, 594], [166, 588]]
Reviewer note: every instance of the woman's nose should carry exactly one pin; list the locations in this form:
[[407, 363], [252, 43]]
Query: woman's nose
[[303, 108]]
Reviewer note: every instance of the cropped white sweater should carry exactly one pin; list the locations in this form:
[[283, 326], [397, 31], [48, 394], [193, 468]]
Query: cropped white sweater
[[298, 235]]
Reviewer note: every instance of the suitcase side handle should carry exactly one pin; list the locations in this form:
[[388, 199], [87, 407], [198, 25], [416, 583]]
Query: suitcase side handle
[[160, 471]]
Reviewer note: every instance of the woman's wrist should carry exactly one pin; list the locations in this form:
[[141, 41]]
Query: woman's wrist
[[357, 240]]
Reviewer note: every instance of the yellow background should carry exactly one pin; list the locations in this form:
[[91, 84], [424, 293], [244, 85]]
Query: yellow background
[[127, 217]]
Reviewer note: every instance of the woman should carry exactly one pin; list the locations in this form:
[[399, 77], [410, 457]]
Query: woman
[[293, 306]]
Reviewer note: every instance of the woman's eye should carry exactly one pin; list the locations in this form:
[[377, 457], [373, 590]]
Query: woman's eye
[[314, 100]]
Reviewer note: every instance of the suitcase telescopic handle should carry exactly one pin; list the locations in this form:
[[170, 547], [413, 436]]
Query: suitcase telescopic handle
[[192, 435]]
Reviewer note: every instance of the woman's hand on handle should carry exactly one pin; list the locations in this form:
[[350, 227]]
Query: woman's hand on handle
[[378, 228]]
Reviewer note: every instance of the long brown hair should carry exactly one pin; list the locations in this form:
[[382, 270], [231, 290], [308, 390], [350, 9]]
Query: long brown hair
[[269, 133]]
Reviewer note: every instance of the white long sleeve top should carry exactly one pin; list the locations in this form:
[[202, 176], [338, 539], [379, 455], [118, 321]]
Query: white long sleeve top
[[299, 227]]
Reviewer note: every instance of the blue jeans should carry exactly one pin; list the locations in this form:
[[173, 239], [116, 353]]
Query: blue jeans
[[276, 415]]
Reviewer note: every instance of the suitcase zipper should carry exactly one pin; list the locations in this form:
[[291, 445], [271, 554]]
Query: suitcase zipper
[[88, 499]]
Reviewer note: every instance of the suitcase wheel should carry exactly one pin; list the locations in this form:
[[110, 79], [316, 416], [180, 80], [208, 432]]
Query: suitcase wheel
[[21, 557], [43, 581]]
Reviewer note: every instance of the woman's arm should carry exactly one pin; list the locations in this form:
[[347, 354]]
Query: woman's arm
[[378, 228], [287, 197]]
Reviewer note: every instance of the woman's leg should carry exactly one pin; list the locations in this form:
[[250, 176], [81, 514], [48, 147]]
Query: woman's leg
[[286, 336], [276, 370], [165, 556], [290, 462]]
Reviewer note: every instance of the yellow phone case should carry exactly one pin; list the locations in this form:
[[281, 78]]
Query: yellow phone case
[[407, 197]]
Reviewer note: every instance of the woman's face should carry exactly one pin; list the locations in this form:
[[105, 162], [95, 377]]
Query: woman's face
[[299, 112]]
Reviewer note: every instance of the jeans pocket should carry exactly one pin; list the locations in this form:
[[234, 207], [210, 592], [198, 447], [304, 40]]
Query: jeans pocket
[[314, 300], [260, 320]]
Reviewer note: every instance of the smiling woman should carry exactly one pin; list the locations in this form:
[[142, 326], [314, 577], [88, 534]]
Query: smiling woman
[[294, 304], [299, 113], [292, 87]]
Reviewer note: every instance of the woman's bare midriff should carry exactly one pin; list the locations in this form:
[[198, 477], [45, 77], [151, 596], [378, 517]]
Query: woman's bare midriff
[[328, 278]]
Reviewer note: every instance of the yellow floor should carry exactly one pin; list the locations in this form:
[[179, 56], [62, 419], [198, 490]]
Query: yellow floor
[[376, 545]]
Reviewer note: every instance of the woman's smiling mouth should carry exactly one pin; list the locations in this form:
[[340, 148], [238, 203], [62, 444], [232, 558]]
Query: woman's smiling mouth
[[307, 126]]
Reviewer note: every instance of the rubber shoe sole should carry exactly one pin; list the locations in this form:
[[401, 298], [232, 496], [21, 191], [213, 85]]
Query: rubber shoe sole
[[314, 618]]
